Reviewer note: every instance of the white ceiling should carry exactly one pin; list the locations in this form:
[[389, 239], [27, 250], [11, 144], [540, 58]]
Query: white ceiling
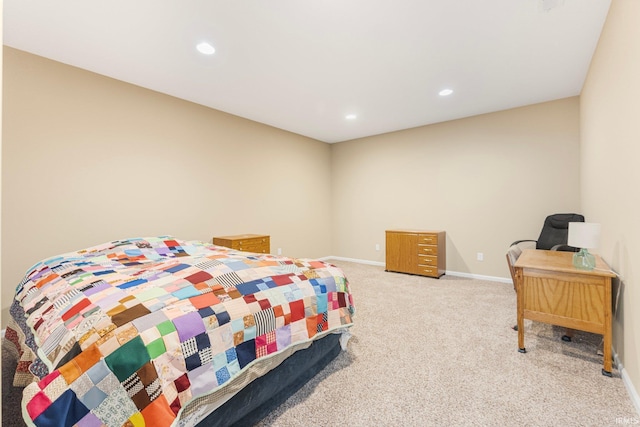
[[302, 65]]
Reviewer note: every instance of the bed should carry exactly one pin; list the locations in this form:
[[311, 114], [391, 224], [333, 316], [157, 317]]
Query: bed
[[166, 332]]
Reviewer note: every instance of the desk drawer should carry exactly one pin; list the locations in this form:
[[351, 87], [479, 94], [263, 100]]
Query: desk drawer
[[580, 298]]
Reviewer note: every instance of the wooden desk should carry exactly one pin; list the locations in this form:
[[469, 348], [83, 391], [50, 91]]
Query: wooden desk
[[551, 290]]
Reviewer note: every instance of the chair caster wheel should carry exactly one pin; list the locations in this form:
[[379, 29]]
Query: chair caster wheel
[[606, 373], [566, 338], [522, 350]]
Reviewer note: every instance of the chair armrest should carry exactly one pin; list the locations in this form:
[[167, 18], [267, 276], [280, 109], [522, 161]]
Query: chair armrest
[[520, 241]]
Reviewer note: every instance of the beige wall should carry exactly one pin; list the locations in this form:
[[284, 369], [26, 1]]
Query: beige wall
[[486, 180], [610, 129], [88, 159]]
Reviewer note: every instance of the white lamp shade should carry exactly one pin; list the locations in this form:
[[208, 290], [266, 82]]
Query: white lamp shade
[[584, 235]]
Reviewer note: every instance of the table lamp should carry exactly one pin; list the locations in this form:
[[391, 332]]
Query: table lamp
[[584, 235]]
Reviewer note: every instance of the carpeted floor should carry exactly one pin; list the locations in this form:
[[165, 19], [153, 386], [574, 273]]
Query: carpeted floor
[[429, 352]]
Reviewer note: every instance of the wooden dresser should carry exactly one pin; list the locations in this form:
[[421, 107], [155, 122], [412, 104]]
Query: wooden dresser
[[416, 252], [258, 243]]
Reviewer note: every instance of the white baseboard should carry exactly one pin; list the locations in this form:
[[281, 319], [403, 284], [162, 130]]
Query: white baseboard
[[633, 393], [448, 272], [358, 261], [479, 277]]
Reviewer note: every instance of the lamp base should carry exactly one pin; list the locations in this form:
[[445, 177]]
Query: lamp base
[[583, 260]]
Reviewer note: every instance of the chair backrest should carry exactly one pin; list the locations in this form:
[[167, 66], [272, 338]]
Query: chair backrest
[[555, 230]]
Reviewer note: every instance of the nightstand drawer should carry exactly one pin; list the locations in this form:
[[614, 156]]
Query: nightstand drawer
[[252, 242], [251, 246]]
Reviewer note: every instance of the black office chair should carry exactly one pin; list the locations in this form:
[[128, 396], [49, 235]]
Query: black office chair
[[555, 232], [553, 237]]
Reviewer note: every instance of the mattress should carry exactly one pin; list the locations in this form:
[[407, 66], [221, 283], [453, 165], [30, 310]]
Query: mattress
[[161, 331]]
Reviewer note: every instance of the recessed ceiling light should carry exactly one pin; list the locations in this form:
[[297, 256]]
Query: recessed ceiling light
[[205, 48], [350, 117], [445, 92]]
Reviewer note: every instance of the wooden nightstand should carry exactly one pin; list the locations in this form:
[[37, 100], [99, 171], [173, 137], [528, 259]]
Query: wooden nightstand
[[258, 243]]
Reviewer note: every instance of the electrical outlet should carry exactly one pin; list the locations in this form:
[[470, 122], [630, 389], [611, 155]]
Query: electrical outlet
[[480, 256], [279, 251], [377, 246]]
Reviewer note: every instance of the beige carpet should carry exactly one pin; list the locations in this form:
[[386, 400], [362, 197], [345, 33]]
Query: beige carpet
[[429, 352]]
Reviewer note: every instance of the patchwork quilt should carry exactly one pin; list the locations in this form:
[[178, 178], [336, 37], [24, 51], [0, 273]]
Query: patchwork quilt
[[130, 332]]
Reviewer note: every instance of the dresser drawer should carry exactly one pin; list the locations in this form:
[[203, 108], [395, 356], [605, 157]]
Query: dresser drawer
[[427, 250], [427, 260], [428, 271], [427, 239]]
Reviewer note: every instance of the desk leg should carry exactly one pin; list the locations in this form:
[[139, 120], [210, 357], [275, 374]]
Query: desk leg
[[606, 351], [521, 347], [520, 310]]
